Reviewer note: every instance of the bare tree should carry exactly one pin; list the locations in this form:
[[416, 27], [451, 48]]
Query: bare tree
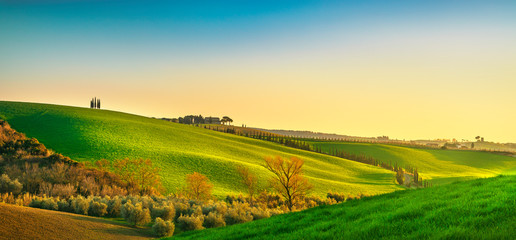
[[288, 178]]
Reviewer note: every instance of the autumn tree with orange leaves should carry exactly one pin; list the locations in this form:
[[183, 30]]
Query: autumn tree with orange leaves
[[288, 178], [249, 180], [198, 186], [139, 172]]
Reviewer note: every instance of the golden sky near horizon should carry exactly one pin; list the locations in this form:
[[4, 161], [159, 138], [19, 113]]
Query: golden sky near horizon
[[409, 79]]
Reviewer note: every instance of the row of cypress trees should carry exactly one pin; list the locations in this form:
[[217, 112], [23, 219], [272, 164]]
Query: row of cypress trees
[[95, 103]]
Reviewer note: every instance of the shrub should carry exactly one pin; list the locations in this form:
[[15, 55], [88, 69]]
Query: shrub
[[165, 213], [259, 213], [80, 205], [238, 214], [7, 198], [400, 176], [136, 214], [7, 185], [50, 204], [98, 209], [214, 220], [64, 206], [275, 212], [163, 228], [36, 202], [169, 213], [25, 199], [187, 223], [156, 212], [338, 197], [114, 207], [181, 209]]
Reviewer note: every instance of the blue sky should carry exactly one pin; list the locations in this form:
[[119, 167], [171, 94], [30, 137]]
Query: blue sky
[[403, 60]]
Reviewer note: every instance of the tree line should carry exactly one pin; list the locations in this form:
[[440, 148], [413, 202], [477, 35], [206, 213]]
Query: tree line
[[303, 145], [199, 119], [95, 103]]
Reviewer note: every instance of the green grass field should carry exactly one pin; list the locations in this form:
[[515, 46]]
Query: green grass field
[[441, 166], [88, 134], [475, 209]]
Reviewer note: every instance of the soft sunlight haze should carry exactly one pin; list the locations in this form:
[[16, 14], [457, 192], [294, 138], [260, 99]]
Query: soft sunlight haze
[[406, 69]]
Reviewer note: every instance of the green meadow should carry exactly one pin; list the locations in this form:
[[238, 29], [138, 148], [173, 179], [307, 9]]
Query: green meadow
[[475, 209], [87, 135], [439, 166]]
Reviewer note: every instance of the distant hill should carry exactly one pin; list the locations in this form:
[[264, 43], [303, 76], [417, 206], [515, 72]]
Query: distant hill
[[32, 223], [440, 166], [92, 134], [490, 146], [477, 209]]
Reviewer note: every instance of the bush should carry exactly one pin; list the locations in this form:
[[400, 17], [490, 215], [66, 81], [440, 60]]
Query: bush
[[165, 213], [80, 205], [36, 202], [169, 213], [50, 204], [218, 207], [7, 185], [114, 207], [64, 206], [136, 214], [163, 228], [400, 176], [98, 209], [214, 220], [238, 214], [187, 223], [181, 209], [259, 213], [338, 197]]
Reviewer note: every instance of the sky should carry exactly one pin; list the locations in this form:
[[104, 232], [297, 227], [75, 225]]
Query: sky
[[405, 69]]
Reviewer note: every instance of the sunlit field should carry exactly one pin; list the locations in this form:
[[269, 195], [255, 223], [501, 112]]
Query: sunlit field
[[475, 209], [89, 134]]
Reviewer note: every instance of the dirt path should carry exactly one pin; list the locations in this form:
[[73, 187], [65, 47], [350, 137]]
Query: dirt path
[[30, 223]]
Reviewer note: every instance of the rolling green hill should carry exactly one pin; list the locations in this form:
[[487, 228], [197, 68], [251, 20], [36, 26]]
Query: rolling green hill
[[441, 166], [90, 134], [476, 209]]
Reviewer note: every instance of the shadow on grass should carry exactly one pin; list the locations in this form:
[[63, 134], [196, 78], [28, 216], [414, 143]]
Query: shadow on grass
[[119, 228]]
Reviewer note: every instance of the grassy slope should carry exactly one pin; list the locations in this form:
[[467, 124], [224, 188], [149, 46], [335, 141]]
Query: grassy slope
[[31, 223], [89, 134], [477, 209], [439, 165]]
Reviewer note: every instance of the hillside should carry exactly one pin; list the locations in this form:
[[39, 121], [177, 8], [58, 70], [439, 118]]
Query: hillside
[[90, 134], [476, 209], [441, 166], [31, 223]]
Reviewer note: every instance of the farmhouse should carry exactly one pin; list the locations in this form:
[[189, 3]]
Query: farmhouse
[[212, 120], [432, 145]]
